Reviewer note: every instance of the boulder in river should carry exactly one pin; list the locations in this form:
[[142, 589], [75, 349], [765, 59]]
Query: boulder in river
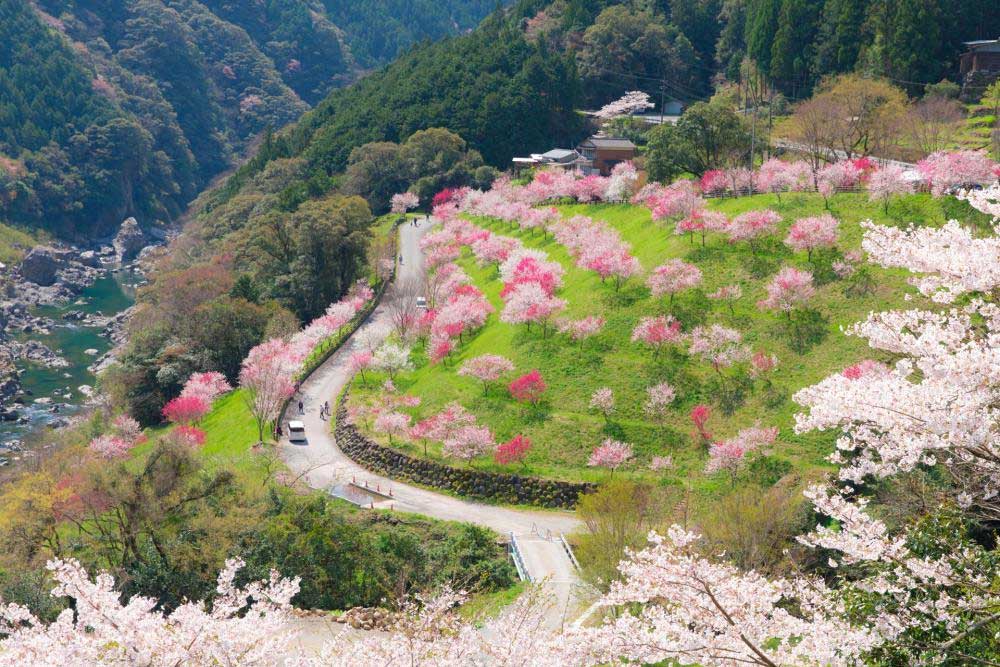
[[42, 264], [129, 241]]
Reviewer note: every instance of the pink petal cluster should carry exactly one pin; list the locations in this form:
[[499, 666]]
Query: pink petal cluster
[[402, 202], [610, 454], [789, 289], [718, 345], [674, 276], [657, 332], [811, 233], [753, 225], [580, 329]]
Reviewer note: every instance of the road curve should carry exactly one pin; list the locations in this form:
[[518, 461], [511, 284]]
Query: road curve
[[323, 465]]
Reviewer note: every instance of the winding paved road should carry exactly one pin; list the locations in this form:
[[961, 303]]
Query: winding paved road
[[323, 465]]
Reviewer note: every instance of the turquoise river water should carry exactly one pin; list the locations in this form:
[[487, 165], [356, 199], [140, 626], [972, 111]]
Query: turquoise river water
[[108, 295]]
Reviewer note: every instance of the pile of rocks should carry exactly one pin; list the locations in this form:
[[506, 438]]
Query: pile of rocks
[[368, 618]]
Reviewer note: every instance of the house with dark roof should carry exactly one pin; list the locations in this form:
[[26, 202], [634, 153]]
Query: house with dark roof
[[605, 152], [559, 158], [979, 67]]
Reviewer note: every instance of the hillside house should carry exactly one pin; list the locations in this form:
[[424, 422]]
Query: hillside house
[[979, 67], [605, 152]]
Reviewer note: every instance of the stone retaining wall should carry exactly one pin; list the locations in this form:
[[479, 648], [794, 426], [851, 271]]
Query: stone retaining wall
[[500, 487]]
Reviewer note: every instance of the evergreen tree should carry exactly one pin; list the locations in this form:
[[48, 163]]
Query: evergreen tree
[[761, 27], [793, 44]]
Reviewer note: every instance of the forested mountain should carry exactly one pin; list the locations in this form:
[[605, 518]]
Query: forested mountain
[[129, 107]]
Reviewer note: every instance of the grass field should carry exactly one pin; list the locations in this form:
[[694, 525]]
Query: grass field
[[564, 430]]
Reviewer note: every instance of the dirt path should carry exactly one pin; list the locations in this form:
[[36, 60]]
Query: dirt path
[[323, 466]]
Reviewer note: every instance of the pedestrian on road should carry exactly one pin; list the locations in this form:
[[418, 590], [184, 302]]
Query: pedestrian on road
[[326, 406], [302, 408]]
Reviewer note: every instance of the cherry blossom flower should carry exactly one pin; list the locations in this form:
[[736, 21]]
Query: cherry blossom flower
[[581, 329], [657, 332], [186, 409], [528, 388], [658, 400], [718, 345], [658, 463], [730, 294], [789, 289], [753, 225], [672, 277], [110, 446], [603, 400], [402, 202], [392, 423], [946, 170], [811, 233], [626, 105], [487, 368], [514, 450], [888, 181], [245, 626], [610, 454]]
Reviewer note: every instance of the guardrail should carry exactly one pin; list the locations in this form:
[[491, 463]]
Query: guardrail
[[515, 554], [569, 551]]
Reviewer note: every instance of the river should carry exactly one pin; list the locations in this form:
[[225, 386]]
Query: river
[[108, 295]]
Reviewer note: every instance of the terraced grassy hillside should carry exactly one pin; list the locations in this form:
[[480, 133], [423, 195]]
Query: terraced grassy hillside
[[564, 429]]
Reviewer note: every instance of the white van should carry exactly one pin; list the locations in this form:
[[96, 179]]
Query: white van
[[421, 303], [296, 431]]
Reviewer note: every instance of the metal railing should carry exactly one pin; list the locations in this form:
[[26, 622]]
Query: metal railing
[[569, 551], [515, 554]]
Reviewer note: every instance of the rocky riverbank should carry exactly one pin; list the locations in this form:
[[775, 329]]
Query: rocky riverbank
[[44, 298]]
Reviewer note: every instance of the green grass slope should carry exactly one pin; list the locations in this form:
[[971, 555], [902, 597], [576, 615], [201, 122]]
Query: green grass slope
[[564, 430]]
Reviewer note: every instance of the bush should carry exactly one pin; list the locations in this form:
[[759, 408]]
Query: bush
[[766, 470], [754, 526]]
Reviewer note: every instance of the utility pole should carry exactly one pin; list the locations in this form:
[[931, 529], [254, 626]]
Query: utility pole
[[663, 93]]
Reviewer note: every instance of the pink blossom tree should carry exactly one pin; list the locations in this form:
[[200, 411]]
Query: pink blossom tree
[[528, 388], [185, 435], [658, 400], [468, 442], [186, 409], [887, 182], [720, 346], [674, 276], [582, 329], [207, 386], [487, 368], [246, 626], [730, 294], [700, 414], [110, 446], [392, 423], [610, 454], [811, 233], [657, 332], [753, 226], [731, 455], [403, 202], [527, 303], [514, 450], [266, 382], [789, 289], [947, 170], [359, 361], [626, 105], [603, 400]]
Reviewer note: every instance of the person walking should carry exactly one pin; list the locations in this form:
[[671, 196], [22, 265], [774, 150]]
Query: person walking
[[302, 408]]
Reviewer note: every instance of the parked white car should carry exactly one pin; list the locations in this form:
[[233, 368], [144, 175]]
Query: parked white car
[[296, 431]]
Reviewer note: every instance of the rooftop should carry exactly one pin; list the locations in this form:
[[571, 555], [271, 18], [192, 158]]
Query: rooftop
[[610, 142]]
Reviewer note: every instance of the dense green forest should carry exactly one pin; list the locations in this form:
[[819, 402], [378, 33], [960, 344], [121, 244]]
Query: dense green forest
[[129, 107]]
